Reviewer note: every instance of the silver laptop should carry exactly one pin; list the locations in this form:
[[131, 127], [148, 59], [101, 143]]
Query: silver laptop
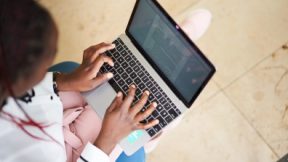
[[155, 55]]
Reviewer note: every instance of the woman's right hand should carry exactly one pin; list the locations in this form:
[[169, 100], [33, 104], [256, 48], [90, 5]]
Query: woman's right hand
[[121, 119]]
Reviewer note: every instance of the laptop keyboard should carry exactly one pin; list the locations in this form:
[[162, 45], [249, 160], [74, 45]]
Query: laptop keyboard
[[127, 70]]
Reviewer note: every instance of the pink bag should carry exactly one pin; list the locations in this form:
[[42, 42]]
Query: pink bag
[[80, 125]]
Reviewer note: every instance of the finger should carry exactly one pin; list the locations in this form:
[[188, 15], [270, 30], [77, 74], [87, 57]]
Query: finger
[[105, 47], [143, 115], [93, 52], [101, 48], [115, 103], [148, 125], [100, 79], [139, 105], [129, 98], [96, 65]]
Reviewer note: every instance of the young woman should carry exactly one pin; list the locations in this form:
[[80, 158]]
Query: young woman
[[31, 112]]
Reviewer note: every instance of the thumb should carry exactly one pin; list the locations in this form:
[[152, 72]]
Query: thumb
[[101, 79]]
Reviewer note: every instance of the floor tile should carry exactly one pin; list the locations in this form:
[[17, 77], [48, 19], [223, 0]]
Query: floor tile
[[87, 22], [242, 33], [262, 96], [215, 131]]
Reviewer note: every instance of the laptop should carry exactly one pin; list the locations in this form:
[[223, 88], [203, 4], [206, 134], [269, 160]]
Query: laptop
[[154, 54]]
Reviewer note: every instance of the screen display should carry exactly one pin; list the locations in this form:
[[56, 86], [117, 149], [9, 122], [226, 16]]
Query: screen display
[[169, 51]]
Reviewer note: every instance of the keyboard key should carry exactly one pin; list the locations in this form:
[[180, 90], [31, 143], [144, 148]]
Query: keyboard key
[[162, 100], [124, 65], [158, 95], [163, 113], [149, 84], [116, 55], [120, 70], [144, 79], [116, 65], [151, 97], [159, 108], [129, 81], [136, 68], [119, 48], [108, 67], [137, 81], [121, 83], [157, 128], [128, 58], [129, 70], [153, 89], [125, 88], [124, 76], [141, 86], [120, 60], [155, 113], [162, 122], [178, 111], [167, 106], [173, 113], [132, 63], [116, 77], [123, 53], [141, 74], [133, 75], [168, 119], [151, 132]]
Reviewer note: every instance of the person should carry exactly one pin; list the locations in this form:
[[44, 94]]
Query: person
[[31, 114]]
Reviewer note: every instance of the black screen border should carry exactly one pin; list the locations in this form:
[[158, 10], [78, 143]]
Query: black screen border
[[188, 104]]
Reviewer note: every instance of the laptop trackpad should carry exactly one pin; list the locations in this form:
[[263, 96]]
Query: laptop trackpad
[[100, 98]]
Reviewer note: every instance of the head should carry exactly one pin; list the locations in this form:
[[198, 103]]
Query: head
[[28, 39]]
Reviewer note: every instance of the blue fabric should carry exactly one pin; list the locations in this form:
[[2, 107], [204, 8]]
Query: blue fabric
[[138, 156], [68, 66], [64, 67]]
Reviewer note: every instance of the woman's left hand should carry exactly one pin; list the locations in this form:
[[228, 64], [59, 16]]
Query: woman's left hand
[[86, 76]]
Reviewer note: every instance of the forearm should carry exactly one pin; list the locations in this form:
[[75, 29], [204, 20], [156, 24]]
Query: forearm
[[63, 83], [106, 144]]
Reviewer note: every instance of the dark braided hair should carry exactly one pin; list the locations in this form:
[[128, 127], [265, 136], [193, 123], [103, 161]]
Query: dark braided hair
[[24, 34], [25, 29]]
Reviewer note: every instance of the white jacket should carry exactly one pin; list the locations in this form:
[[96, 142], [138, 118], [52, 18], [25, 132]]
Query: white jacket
[[44, 106]]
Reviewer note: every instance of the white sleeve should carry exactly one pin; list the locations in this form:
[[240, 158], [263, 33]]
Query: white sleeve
[[93, 154]]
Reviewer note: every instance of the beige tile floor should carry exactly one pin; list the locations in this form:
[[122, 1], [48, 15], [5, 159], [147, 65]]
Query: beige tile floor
[[242, 115]]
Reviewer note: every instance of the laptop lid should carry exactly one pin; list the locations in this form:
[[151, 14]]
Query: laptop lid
[[170, 52]]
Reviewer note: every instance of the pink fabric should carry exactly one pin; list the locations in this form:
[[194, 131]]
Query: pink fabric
[[80, 125]]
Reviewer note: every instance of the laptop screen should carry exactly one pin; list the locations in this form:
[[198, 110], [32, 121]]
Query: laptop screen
[[179, 62]]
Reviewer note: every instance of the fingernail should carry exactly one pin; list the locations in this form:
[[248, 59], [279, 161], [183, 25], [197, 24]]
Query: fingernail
[[147, 92], [133, 86], [157, 121], [113, 45], [154, 104], [109, 75], [119, 94]]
